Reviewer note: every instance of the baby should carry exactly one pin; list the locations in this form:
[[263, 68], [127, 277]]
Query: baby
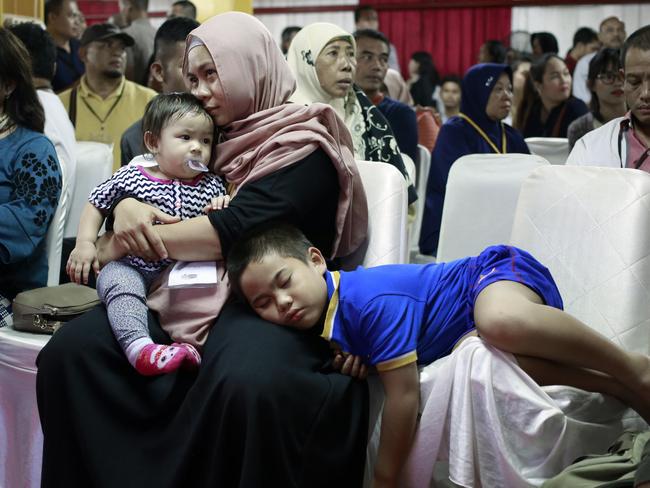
[[179, 134], [397, 316]]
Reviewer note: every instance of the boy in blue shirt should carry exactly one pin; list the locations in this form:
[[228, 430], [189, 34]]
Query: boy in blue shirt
[[397, 316]]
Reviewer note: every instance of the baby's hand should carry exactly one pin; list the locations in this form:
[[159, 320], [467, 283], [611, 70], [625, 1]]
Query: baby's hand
[[82, 258], [217, 203]]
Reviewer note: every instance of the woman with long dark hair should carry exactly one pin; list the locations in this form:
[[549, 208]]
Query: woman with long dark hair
[[30, 180], [423, 79], [547, 107], [605, 83], [543, 43]]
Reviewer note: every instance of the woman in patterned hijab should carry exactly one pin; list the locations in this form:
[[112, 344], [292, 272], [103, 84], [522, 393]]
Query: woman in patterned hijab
[[322, 58]]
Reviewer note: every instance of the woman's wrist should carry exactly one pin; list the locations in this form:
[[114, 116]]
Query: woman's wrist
[[110, 217]]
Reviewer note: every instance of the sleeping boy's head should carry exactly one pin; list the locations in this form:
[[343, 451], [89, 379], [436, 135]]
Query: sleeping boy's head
[[280, 274]]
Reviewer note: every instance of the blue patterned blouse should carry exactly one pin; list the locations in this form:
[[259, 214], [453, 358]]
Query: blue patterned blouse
[[30, 184]]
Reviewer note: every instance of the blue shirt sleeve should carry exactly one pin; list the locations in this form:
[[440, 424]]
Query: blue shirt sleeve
[[390, 324], [35, 182]]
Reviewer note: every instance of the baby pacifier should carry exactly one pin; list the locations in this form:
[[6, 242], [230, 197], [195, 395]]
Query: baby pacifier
[[196, 165]]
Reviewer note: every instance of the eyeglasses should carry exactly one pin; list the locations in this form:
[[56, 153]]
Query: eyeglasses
[[610, 77], [500, 90]]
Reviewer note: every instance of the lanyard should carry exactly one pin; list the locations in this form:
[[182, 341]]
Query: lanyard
[[110, 110], [485, 136], [621, 133]]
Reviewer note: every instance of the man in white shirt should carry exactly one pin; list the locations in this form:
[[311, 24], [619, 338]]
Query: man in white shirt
[[624, 142], [611, 34], [58, 128]]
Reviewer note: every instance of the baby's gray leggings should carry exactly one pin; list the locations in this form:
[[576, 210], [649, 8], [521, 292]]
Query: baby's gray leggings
[[123, 289]]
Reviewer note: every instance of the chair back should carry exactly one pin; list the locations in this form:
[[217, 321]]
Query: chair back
[[554, 149], [480, 202], [409, 165], [424, 165], [386, 192], [94, 165], [54, 236], [591, 227]]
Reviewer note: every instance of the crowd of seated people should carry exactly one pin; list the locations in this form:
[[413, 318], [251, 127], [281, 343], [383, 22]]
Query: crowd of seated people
[[92, 83]]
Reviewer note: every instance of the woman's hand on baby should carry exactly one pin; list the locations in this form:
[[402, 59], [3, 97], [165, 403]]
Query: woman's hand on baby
[[134, 231], [217, 203], [82, 258], [350, 365]]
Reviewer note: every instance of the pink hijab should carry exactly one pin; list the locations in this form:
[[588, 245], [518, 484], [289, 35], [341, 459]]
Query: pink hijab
[[268, 133]]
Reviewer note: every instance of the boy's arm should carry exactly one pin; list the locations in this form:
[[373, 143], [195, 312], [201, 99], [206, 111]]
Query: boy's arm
[[402, 389]]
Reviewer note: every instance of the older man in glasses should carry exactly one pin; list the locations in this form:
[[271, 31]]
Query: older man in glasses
[[624, 142]]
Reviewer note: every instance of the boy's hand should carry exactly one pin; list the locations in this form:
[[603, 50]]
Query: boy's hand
[[350, 365], [82, 258], [217, 203]]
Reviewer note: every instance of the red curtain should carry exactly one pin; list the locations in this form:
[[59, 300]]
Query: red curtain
[[453, 36], [98, 10]]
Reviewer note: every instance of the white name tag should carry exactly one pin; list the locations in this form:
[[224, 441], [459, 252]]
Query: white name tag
[[186, 274]]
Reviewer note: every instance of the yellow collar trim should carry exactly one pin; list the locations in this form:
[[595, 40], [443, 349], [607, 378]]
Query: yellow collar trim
[[85, 91], [332, 308]]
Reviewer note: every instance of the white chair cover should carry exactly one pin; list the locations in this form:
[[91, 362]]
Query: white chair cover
[[387, 196], [480, 201], [554, 149], [21, 438], [386, 192], [424, 165], [409, 164], [481, 411], [591, 227], [54, 238], [94, 165]]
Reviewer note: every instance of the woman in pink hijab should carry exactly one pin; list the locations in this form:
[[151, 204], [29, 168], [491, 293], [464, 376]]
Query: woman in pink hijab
[[264, 408]]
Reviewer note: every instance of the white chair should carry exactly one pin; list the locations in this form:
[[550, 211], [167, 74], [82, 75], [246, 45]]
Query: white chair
[[20, 429], [386, 192], [54, 238], [480, 201], [94, 165], [553, 149], [590, 226], [421, 188], [387, 243], [21, 438], [409, 164]]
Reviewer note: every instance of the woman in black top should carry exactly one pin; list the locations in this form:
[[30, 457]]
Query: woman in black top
[[264, 409], [424, 79], [547, 107]]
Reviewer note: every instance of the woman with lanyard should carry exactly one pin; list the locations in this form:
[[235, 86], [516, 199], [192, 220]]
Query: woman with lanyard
[[479, 128]]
